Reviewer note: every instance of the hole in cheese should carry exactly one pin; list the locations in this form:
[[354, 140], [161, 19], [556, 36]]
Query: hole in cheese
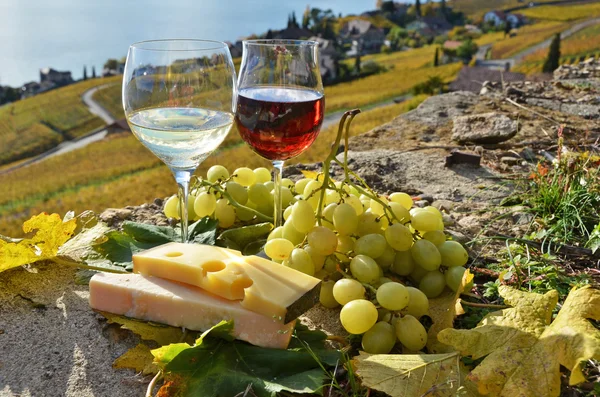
[[173, 254], [239, 285], [210, 267]]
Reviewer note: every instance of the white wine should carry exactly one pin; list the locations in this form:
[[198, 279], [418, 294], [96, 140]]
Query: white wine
[[181, 137]]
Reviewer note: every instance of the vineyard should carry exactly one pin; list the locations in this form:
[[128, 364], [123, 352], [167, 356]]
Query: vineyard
[[476, 9], [563, 13], [526, 37], [576, 48], [36, 124]]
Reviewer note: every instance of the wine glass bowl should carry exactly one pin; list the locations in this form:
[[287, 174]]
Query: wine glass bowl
[[178, 100], [280, 103]]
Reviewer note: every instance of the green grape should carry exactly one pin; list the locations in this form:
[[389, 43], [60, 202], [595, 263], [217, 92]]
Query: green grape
[[331, 196], [355, 203], [399, 212], [453, 254], [244, 214], [279, 248], [323, 240], [205, 204], [259, 194], [380, 339], [276, 233], [432, 284], [383, 280], [434, 211], [383, 314], [437, 237], [287, 183], [403, 264], [171, 208], [366, 204], [347, 289], [326, 295], [321, 274], [454, 276], [387, 258], [216, 173], [191, 213], [372, 245], [286, 196], [327, 215], [345, 219], [290, 233], [318, 260], [358, 316], [368, 224], [270, 185], [418, 304], [330, 265], [418, 273], [266, 207], [377, 208], [424, 221], [244, 176], [262, 175], [403, 199], [399, 237], [345, 245], [237, 192], [300, 185], [287, 213], [411, 333], [224, 213], [310, 190], [303, 216], [426, 255], [392, 296], [365, 269], [300, 260]]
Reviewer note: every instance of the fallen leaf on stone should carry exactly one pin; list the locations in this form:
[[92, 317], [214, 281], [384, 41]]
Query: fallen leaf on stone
[[310, 174], [403, 375], [50, 233], [139, 359], [524, 350], [442, 311]]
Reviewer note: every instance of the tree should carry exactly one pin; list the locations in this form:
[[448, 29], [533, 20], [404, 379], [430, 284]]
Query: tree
[[553, 59], [357, 60], [466, 50], [378, 4], [306, 18], [418, 8], [395, 37], [294, 20], [93, 72], [428, 10], [111, 64], [443, 7], [84, 72], [507, 28], [436, 59], [388, 6]]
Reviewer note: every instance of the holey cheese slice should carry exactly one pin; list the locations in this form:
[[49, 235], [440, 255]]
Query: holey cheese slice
[[180, 305], [260, 285]]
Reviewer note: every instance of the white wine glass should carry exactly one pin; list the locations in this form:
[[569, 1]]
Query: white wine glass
[[178, 97], [280, 102]]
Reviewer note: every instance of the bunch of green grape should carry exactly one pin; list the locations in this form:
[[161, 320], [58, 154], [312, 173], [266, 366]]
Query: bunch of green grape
[[252, 189]]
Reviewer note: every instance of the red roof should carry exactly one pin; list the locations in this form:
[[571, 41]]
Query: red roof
[[452, 44]]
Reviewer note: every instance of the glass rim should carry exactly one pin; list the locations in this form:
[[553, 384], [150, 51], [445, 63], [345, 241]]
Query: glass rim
[[270, 42], [209, 45]]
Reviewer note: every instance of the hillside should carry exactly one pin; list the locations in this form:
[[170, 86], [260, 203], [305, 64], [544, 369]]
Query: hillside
[[475, 9]]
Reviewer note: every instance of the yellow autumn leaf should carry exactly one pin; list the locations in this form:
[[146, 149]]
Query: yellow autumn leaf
[[139, 359], [404, 375], [50, 233], [310, 174], [442, 311], [524, 350]]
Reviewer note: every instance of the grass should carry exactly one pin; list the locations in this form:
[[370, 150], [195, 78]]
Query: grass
[[582, 44], [526, 37], [110, 99], [563, 13]]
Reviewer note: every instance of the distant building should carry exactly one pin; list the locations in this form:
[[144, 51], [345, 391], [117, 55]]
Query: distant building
[[429, 26], [473, 29], [327, 58], [365, 37], [495, 17], [120, 69], [516, 20], [234, 49], [472, 78], [49, 75], [292, 33], [452, 44], [30, 89]]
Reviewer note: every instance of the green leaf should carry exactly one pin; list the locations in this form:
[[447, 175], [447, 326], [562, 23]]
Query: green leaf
[[216, 367], [159, 333], [203, 231], [152, 234], [245, 235]]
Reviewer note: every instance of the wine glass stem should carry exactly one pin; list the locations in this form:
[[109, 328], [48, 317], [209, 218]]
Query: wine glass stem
[[278, 215], [183, 183]]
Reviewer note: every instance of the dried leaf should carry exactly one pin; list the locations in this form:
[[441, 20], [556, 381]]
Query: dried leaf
[[402, 375], [50, 233], [310, 174], [523, 350], [139, 359], [443, 310]]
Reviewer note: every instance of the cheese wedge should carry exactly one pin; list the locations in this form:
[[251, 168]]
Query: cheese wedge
[[179, 305], [261, 285]]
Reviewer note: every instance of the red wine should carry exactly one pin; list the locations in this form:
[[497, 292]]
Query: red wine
[[279, 123]]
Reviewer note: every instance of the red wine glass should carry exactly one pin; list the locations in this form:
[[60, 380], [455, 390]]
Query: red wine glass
[[280, 102]]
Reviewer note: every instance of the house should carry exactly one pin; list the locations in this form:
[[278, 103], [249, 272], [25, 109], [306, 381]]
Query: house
[[328, 57], [452, 45], [516, 20], [365, 37], [29, 89], [473, 29], [120, 69], [55, 77], [234, 49], [292, 32], [494, 17], [429, 26], [472, 78]]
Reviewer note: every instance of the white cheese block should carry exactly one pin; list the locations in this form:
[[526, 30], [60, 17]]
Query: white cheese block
[[180, 305]]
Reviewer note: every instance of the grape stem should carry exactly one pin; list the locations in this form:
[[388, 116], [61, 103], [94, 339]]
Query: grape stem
[[483, 305], [217, 187], [80, 265]]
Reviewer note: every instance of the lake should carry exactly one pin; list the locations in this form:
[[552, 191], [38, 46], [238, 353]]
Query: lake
[[68, 34]]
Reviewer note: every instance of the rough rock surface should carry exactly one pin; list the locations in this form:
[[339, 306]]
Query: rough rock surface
[[483, 128], [52, 344]]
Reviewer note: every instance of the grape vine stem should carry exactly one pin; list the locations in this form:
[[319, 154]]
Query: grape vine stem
[[483, 305]]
